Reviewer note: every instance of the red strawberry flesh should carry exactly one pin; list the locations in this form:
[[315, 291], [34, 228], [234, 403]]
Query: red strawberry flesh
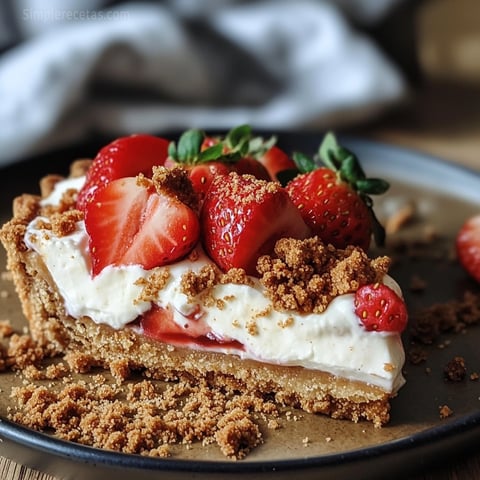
[[130, 223]]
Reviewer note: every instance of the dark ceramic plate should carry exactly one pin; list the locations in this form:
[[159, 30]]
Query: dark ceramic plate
[[443, 195]]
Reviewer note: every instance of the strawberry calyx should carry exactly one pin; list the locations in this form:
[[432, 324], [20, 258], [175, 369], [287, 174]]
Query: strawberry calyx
[[195, 147], [348, 170]]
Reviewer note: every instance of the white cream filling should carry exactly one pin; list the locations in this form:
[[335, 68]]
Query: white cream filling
[[333, 341]]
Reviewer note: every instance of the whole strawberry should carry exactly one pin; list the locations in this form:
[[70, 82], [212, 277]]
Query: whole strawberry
[[206, 156], [467, 245], [124, 157], [243, 217], [333, 196], [380, 309]]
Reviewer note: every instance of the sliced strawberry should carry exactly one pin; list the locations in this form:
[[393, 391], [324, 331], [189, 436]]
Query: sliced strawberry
[[380, 309], [243, 218], [124, 157], [129, 222], [158, 323], [468, 246]]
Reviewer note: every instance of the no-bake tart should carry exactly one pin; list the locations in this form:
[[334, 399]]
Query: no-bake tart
[[208, 258]]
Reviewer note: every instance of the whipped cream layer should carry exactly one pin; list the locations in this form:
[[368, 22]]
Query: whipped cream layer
[[334, 341]]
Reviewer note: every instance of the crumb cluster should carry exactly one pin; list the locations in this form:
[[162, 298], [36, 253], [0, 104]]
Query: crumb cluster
[[305, 275], [144, 417], [428, 323]]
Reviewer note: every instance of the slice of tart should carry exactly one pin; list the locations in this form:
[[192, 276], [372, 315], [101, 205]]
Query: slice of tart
[[142, 272]]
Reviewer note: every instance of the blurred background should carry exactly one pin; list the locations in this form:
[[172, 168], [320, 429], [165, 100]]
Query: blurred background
[[405, 71]]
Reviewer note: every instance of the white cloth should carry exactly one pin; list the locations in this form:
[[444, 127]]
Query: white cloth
[[149, 67]]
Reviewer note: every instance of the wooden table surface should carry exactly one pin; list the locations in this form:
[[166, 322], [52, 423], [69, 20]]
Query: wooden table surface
[[442, 120]]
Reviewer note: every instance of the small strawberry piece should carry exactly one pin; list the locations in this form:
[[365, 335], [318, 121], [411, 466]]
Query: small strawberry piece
[[468, 246], [129, 222], [202, 175], [243, 218], [380, 308], [124, 157]]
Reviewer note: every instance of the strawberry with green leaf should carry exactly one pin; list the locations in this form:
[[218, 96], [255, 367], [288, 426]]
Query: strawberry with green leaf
[[206, 156], [332, 192]]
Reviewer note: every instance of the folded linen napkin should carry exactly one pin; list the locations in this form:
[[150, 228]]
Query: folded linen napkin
[[156, 67]]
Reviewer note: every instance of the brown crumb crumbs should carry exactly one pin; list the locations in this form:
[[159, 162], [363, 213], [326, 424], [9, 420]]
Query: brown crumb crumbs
[[400, 218], [305, 275], [453, 316], [455, 370], [445, 411], [143, 417], [153, 284], [6, 329], [65, 223], [175, 182]]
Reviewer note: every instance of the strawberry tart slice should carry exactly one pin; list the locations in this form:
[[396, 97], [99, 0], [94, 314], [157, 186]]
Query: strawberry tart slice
[[186, 260]]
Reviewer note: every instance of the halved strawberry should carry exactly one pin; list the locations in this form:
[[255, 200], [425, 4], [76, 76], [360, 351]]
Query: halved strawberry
[[380, 309], [333, 196], [468, 246], [129, 222], [243, 218], [158, 323], [124, 157]]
